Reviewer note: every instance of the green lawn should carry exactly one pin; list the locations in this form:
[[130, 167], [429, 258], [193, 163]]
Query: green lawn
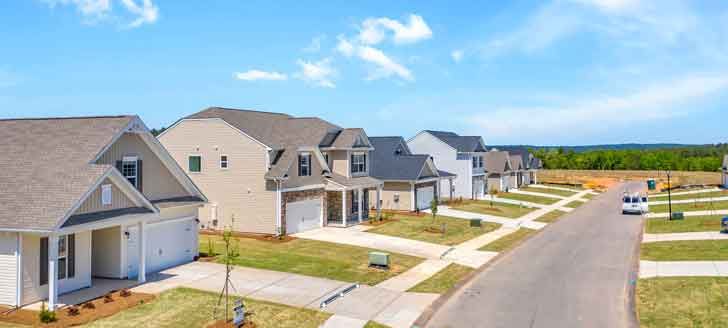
[[442, 281], [687, 250], [414, 227], [689, 207], [552, 216], [372, 324], [184, 307], [689, 224], [682, 302], [528, 198], [705, 195], [508, 241], [588, 196], [497, 209], [312, 258], [556, 192], [574, 204]]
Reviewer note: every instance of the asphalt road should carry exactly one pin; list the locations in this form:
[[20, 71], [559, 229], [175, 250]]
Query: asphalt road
[[578, 272]]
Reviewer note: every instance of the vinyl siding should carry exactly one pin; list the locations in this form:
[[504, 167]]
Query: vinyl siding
[[106, 246], [446, 159], [340, 162], [8, 267], [389, 190], [240, 191], [93, 202], [157, 181], [32, 291]]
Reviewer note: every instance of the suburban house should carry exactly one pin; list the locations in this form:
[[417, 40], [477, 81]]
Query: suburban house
[[459, 155], [531, 164], [725, 171], [411, 181], [499, 170], [271, 173], [85, 199], [517, 171]]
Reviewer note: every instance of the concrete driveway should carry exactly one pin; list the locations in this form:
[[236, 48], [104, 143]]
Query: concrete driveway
[[575, 273]]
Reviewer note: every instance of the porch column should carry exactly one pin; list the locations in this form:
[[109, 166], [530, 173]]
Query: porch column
[[450, 188], [379, 201], [359, 194], [413, 206], [52, 272], [142, 277], [343, 206]]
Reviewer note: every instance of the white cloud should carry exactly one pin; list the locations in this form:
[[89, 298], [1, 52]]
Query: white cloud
[[319, 73], [374, 30], [254, 75], [385, 66], [147, 13], [457, 55], [94, 11], [345, 47], [664, 100]]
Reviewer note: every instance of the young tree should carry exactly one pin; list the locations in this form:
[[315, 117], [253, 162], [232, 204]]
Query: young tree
[[433, 208], [492, 192]]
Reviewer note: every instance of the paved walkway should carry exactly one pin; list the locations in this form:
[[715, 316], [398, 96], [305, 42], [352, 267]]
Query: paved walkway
[[423, 271], [652, 269], [505, 222], [706, 235], [692, 213], [392, 308], [577, 273], [539, 194], [690, 201], [554, 188], [485, 239], [690, 192], [497, 199]]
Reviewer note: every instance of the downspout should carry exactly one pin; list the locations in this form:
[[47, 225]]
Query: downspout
[[279, 214]]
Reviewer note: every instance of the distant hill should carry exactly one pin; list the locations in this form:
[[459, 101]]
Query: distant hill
[[580, 149]]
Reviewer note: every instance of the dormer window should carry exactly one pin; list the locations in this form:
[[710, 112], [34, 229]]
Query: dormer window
[[358, 163], [304, 165], [130, 170]]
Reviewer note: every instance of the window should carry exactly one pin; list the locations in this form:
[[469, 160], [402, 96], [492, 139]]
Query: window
[[62, 257], [475, 162], [358, 163], [304, 165], [480, 161], [106, 196], [195, 164], [66, 259], [130, 170], [355, 202], [223, 161]]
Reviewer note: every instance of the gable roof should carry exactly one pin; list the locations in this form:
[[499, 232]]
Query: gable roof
[[516, 162], [386, 164], [463, 144], [49, 170], [526, 156], [497, 162]]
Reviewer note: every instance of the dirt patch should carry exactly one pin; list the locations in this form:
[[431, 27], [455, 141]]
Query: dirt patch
[[375, 222], [69, 316], [609, 178], [229, 324]]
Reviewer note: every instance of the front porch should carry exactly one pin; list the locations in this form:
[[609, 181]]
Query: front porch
[[99, 287], [351, 206]]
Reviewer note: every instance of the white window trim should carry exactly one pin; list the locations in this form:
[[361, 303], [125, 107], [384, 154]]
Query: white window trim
[[227, 162], [107, 197], [135, 161], [366, 159], [188, 163], [59, 257], [308, 165]]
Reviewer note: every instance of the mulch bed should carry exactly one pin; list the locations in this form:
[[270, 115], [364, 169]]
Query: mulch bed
[[64, 318], [229, 324]]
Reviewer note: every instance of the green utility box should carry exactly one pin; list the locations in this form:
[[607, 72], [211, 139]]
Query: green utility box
[[651, 184], [379, 260], [677, 216], [476, 223]]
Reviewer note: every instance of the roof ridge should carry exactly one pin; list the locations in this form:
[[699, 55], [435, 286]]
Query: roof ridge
[[244, 110], [64, 118]]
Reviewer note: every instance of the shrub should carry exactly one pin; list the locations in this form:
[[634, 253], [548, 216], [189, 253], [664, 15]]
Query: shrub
[[108, 298], [125, 293], [88, 305], [73, 311], [45, 315]]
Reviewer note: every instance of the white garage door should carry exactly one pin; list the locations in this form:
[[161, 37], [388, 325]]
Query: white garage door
[[168, 244], [303, 215], [424, 197]]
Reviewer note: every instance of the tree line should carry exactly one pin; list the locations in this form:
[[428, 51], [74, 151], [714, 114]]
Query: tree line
[[689, 158]]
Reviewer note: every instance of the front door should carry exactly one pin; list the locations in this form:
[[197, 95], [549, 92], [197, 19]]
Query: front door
[[132, 252]]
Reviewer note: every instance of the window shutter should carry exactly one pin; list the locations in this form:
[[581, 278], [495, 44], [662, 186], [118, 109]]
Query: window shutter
[[119, 165], [43, 261], [365, 163], [299, 165], [139, 175], [71, 255]]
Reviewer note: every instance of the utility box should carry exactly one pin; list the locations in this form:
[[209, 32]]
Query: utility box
[[379, 260], [476, 223], [724, 225], [651, 184], [677, 216]]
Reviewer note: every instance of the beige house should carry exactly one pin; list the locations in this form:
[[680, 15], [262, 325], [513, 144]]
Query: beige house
[[517, 171], [411, 181], [498, 170], [87, 199], [272, 173]]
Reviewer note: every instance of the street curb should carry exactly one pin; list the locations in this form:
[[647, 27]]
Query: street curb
[[631, 304]]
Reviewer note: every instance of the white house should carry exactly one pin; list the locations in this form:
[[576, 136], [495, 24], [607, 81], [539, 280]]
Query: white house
[[459, 155]]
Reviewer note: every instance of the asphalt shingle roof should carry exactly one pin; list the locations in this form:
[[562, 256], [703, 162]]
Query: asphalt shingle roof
[[463, 144], [47, 166], [496, 161], [387, 165]]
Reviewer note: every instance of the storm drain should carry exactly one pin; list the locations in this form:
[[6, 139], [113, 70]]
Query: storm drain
[[338, 295]]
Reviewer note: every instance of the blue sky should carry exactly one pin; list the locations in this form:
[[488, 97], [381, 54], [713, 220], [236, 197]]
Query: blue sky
[[535, 72]]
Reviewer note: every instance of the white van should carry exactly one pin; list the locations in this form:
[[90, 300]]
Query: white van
[[632, 204], [645, 203]]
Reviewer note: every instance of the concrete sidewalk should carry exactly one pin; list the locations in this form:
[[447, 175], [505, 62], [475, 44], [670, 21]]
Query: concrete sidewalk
[[555, 188], [693, 213], [653, 269], [691, 192], [690, 201], [532, 193], [497, 199], [706, 235]]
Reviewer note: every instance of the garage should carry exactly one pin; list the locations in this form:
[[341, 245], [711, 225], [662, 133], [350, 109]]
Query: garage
[[169, 243], [424, 196], [303, 215]]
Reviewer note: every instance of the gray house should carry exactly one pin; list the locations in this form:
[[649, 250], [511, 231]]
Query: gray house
[[499, 170], [531, 165], [411, 181]]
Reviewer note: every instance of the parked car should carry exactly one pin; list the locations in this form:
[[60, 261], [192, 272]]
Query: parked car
[[632, 204]]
